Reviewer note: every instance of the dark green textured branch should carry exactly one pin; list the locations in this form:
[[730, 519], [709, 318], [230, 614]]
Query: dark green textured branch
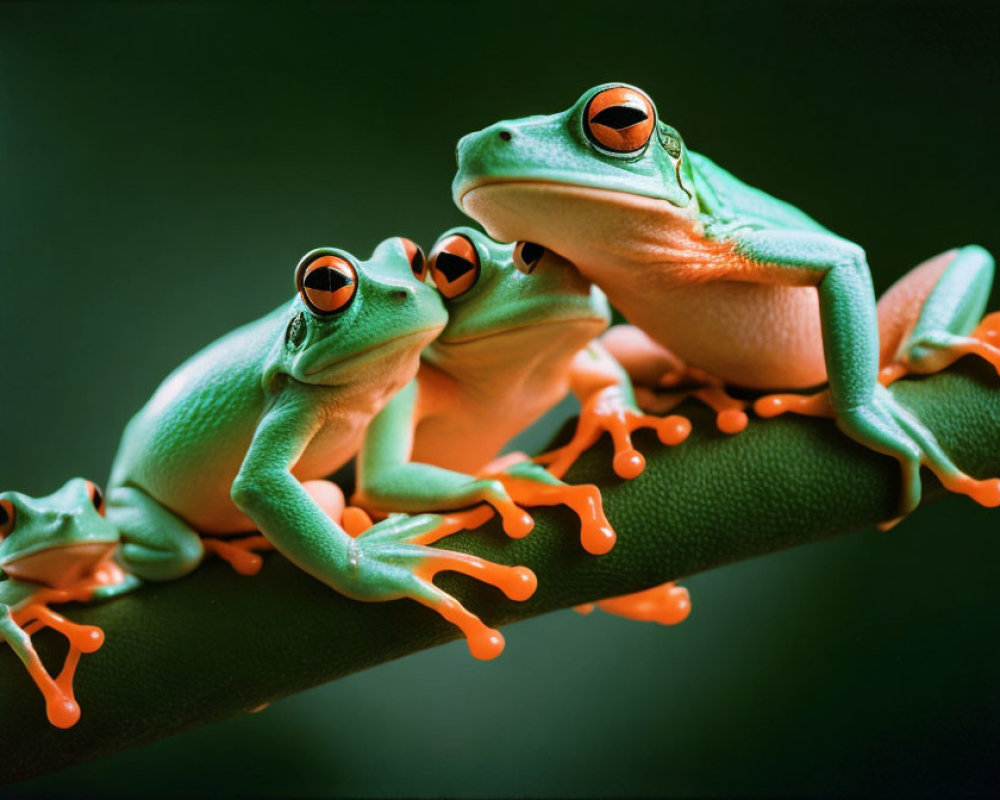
[[214, 644]]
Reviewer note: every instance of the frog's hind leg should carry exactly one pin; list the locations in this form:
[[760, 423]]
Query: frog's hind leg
[[654, 369], [928, 319], [156, 544]]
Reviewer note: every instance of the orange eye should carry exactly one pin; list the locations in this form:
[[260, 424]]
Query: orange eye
[[527, 255], [619, 119], [454, 265], [7, 514], [326, 283], [418, 264], [96, 497]]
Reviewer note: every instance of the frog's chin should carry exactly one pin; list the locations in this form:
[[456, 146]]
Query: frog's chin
[[62, 566], [375, 359], [582, 223]]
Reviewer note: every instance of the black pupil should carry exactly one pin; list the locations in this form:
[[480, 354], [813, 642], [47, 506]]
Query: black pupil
[[97, 498], [453, 267], [620, 117], [417, 262], [327, 279], [4, 516], [531, 252]]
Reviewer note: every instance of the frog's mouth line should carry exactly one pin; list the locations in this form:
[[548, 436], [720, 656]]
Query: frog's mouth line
[[518, 328], [382, 347], [600, 193]]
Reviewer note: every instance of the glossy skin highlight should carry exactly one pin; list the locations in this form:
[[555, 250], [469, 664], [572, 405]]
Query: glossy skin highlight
[[725, 281], [241, 436]]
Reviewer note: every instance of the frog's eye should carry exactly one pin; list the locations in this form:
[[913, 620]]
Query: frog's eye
[[7, 514], [619, 119], [326, 283], [96, 497], [418, 264], [527, 255], [454, 265]]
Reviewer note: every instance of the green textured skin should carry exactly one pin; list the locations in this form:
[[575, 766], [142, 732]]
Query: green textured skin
[[222, 643], [225, 442], [554, 152]]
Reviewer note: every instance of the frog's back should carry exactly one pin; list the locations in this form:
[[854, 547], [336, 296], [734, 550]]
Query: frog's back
[[728, 200], [198, 424]]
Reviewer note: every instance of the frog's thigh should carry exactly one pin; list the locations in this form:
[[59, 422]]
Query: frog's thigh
[[645, 360], [931, 310], [156, 544]]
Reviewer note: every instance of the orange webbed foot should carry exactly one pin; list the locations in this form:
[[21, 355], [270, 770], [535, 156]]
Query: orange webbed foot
[[596, 534], [239, 553], [517, 583], [61, 707], [606, 410]]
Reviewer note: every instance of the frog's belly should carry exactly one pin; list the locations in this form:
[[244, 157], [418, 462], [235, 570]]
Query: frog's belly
[[749, 334], [468, 433]]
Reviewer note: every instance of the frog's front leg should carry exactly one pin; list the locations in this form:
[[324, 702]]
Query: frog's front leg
[[61, 707], [864, 409], [385, 562], [533, 485], [389, 481], [607, 403]]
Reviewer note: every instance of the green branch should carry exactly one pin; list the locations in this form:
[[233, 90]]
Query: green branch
[[214, 644]]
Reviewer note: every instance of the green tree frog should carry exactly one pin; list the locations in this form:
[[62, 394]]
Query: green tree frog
[[240, 437], [56, 549], [744, 287], [521, 334]]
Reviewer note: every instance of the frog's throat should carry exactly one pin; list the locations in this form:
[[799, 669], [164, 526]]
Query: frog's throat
[[584, 224], [59, 566], [516, 355]]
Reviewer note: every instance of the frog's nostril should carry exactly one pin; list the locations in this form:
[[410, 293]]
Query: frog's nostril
[[505, 136], [401, 294]]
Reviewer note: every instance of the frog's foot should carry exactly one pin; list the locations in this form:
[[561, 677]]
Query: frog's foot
[[887, 427], [607, 410], [668, 604], [455, 521], [730, 413], [241, 554], [531, 485], [389, 563], [809, 405], [61, 707]]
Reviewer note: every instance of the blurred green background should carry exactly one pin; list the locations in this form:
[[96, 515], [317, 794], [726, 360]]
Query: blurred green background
[[162, 168]]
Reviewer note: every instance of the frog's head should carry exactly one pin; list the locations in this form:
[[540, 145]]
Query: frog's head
[[492, 289], [58, 539], [606, 170], [353, 316]]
